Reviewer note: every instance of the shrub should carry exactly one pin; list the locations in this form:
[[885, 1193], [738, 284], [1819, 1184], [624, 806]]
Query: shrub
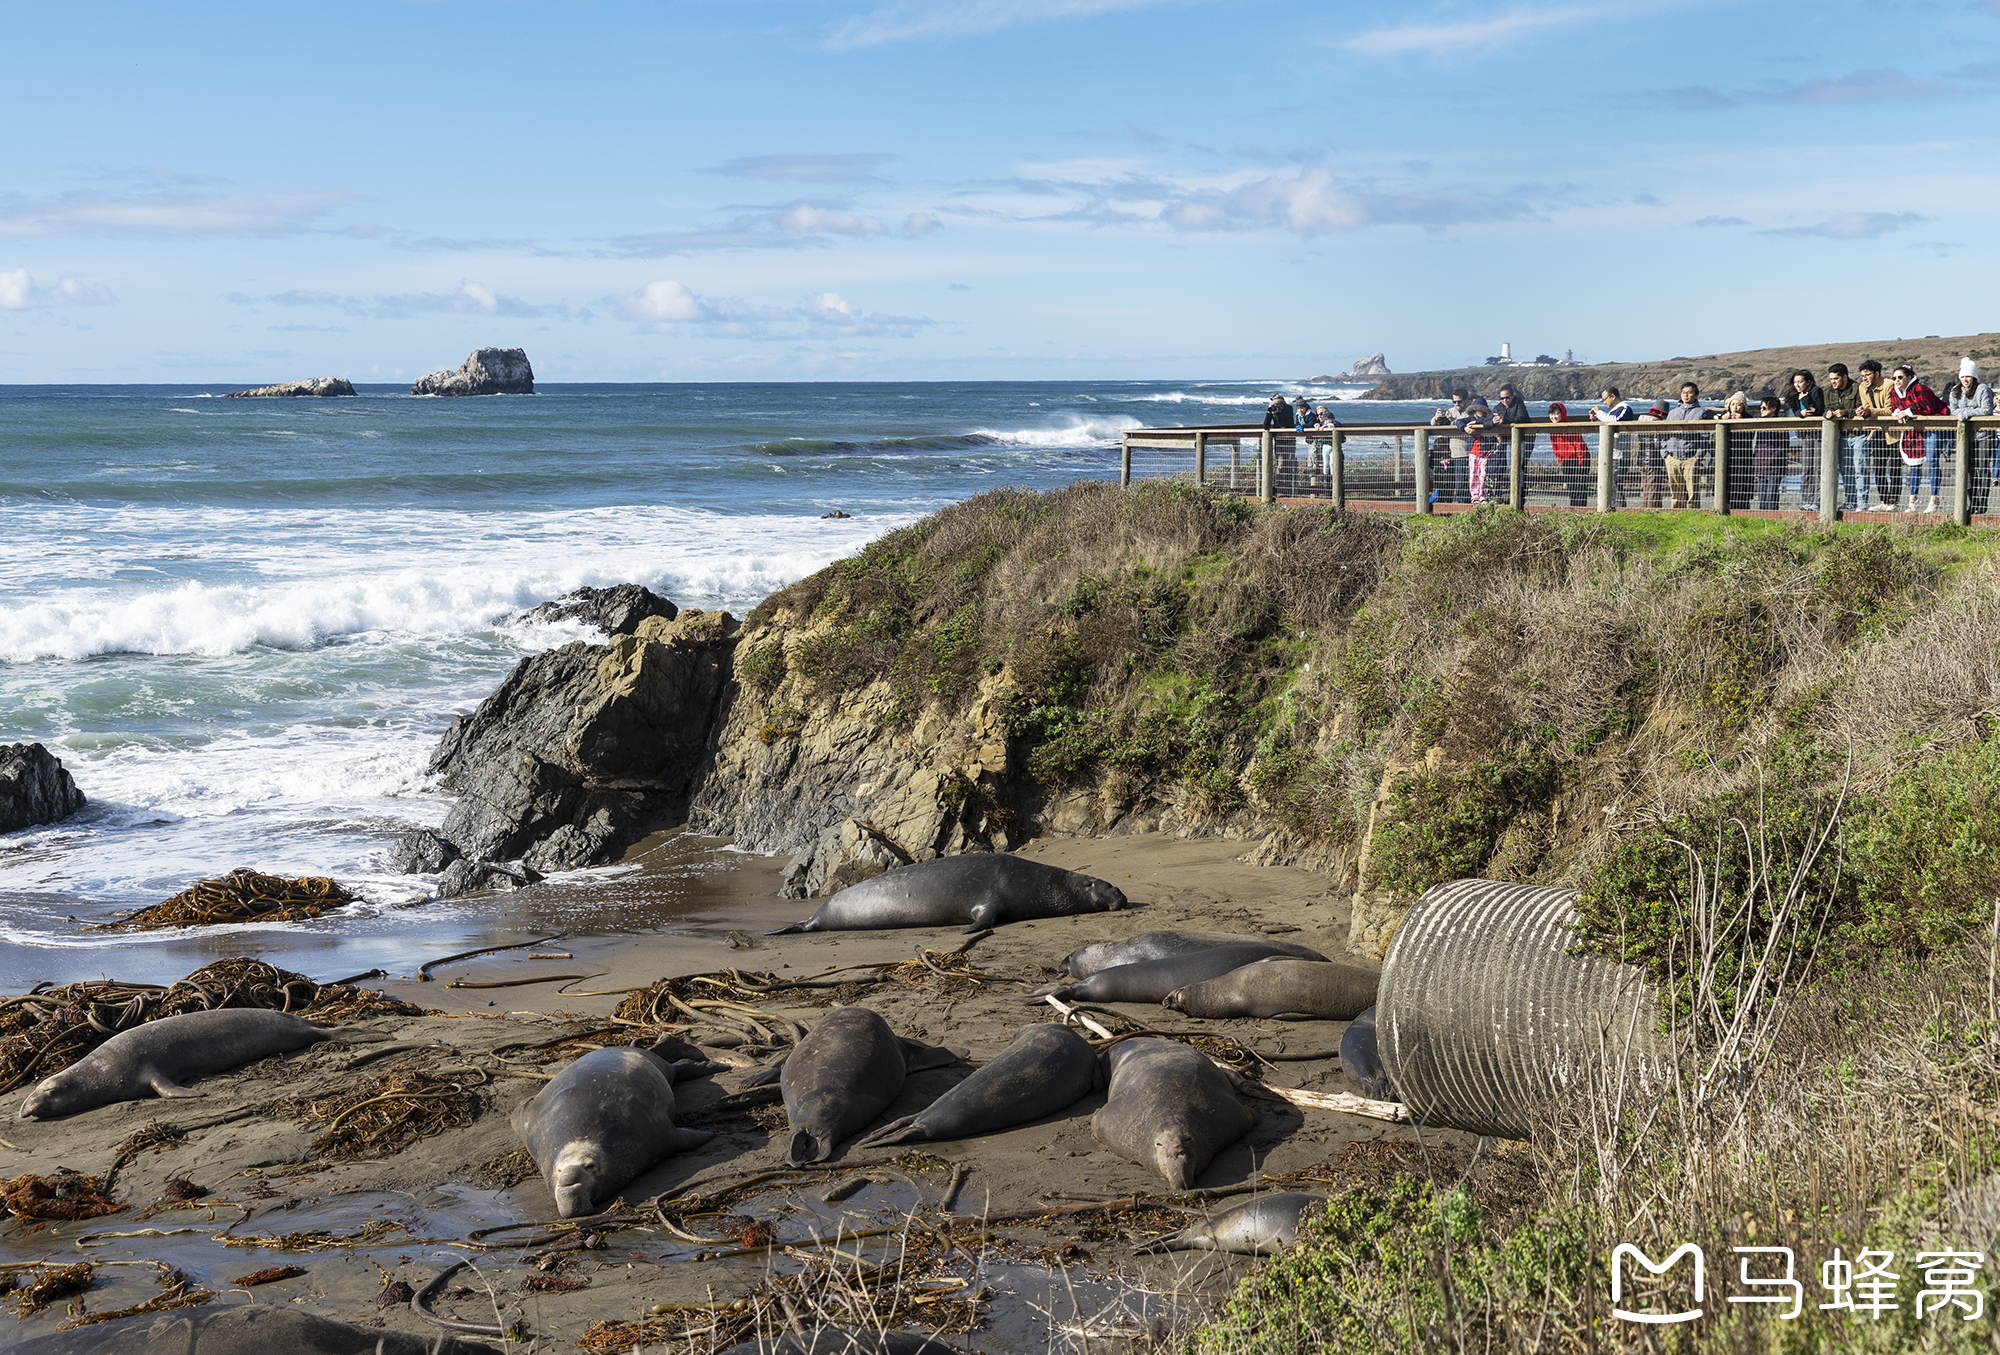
[[1444, 826]]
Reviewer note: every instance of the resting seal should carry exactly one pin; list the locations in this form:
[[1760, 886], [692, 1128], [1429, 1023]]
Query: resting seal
[[1087, 960], [845, 1073], [1048, 1068], [1362, 1063], [1152, 980], [160, 1056], [245, 1329], [1171, 1108], [603, 1121], [1258, 1228], [1298, 990], [979, 889]]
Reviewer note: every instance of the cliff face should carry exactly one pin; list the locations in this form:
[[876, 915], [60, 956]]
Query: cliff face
[[489, 371]]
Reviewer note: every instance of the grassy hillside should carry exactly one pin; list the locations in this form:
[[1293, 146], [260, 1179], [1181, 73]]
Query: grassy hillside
[[1758, 369]]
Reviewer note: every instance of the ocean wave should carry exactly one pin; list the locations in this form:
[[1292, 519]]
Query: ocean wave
[[1097, 431], [1094, 431]]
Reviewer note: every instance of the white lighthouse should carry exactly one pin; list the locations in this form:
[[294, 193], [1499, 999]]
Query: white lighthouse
[[1506, 355]]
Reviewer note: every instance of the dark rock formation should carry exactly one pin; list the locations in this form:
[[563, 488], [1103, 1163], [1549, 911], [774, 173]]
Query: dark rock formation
[[490, 371], [462, 877], [419, 851], [584, 749], [617, 610], [313, 385], [34, 788]]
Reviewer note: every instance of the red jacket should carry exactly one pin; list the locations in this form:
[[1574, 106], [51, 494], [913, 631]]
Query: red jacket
[[1566, 446], [1920, 400]]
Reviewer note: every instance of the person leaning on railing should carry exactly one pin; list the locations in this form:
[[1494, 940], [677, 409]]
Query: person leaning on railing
[[1843, 401], [1737, 492], [1683, 452], [1806, 401], [1770, 455], [1888, 472], [1971, 398], [1450, 468], [1612, 408], [1646, 454], [1572, 453], [1909, 399]]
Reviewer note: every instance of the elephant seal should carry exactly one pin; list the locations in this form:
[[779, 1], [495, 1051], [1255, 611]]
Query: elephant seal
[[245, 1329], [1048, 1068], [1084, 961], [1259, 1228], [160, 1056], [845, 1073], [834, 1341], [1170, 1108], [1299, 990], [1152, 980], [1360, 1060], [603, 1121], [979, 889]]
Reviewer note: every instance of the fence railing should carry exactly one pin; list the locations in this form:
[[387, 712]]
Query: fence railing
[[1823, 466]]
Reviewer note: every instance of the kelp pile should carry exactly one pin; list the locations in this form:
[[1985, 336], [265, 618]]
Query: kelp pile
[[243, 895], [67, 1195], [381, 1116], [44, 1031]]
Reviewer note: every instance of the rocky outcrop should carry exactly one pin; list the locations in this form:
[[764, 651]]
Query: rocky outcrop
[[34, 788], [617, 610], [489, 371], [313, 385], [584, 749], [1372, 365], [419, 851]]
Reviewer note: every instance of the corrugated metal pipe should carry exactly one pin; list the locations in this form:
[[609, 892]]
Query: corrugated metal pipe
[[1482, 1013]]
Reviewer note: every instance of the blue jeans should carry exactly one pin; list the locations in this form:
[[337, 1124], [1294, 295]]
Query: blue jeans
[[1913, 473], [1854, 471]]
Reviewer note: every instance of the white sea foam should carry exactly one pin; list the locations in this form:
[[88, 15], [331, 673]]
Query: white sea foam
[[1096, 431]]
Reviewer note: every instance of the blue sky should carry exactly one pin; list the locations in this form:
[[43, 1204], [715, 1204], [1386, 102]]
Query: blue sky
[[966, 189]]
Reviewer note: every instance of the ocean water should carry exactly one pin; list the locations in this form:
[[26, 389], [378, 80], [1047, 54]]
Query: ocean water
[[242, 624]]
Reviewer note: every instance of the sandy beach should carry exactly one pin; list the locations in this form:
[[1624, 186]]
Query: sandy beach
[[402, 1217]]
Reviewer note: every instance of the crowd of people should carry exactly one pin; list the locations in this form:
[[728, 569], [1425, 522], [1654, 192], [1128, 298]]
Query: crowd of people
[[1882, 456]]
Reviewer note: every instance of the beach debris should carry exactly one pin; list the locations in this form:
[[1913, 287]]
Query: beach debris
[[381, 1116], [243, 895], [395, 1293], [271, 1276], [554, 1284], [368, 1235], [550, 955], [52, 1283], [66, 1195], [180, 1188], [176, 1291], [156, 1135], [44, 1031], [424, 969]]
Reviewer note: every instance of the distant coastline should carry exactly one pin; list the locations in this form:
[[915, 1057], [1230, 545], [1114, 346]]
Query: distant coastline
[[1935, 358]]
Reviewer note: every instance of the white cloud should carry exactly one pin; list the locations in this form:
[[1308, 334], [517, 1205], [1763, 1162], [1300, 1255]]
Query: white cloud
[[825, 221], [1853, 226], [1453, 37], [919, 224], [87, 212], [831, 307], [471, 298], [665, 305], [18, 292], [1308, 205], [665, 302], [946, 19], [481, 296]]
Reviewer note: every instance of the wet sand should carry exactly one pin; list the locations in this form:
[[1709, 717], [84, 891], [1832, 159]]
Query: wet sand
[[434, 1192]]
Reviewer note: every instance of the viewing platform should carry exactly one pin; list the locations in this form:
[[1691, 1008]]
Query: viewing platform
[[1769, 466]]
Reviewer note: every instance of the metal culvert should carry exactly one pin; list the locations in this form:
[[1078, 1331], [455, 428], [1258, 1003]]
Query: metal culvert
[[1481, 1014]]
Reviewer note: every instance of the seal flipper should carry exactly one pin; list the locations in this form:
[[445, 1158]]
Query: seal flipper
[[687, 1140], [165, 1086], [764, 1077], [1059, 991], [796, 927], [806, 1147], [918, 1056], [904, 1130]]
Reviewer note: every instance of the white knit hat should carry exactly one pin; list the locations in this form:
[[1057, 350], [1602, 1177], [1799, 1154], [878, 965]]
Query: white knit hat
[[1967, 367]]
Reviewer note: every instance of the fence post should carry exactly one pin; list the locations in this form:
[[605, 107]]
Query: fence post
[[1201, 458], [1607, 447], [1961, 477], [1267, 469], [1423, 449], [1829, 470], [1396, 466], [1517, 472], [1721, 467], [1125, 462], [1339, 469]]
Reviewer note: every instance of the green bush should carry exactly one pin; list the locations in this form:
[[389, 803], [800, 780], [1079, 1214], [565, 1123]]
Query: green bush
[[1927, 852], [1444, 826]]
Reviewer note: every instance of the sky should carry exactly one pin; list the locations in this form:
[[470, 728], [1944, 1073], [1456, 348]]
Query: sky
[[764, 190]]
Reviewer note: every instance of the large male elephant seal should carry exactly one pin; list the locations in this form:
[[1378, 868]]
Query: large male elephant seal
[[1362, 1062], [603, 1121], [979, 889], [1265, 1225], [1048, 1068], [845, 1073], [1084, 961], [246, 1329], [162, 1056], [1170, 1108], [1152, 980], [1297, 990]]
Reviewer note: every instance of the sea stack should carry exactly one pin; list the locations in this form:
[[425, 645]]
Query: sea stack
[[312, 385], [34, 788], [1372, 365], [489, 371]]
